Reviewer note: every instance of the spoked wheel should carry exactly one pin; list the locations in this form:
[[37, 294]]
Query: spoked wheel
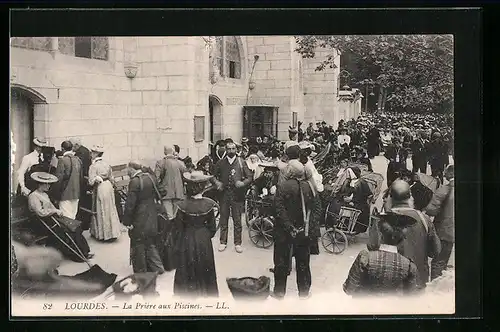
[[260, 232], [217, 216], [334, 241], [248, 212]]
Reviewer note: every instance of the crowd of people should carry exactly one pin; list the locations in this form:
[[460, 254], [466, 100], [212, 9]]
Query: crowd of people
[[417, 223]]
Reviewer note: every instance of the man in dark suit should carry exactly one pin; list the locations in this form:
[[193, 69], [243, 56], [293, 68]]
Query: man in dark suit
[[292, 232], [438, 155], [442, 206], [397, 156], [419, 154], [232, 179], [141, 218], [374, 142], [85, 199]]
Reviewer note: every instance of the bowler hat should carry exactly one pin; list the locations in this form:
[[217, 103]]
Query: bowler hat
[[43, 177]]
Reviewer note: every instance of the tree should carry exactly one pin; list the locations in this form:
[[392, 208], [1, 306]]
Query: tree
[[410, 72]]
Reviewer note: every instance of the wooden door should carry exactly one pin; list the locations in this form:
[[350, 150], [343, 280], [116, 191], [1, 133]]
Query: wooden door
[[21, 125], [259, 121]]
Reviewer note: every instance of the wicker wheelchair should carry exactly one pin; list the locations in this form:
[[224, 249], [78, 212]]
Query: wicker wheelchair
[[259, 219]]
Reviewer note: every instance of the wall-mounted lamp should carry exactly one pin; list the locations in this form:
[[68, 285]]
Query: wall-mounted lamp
[[130, 69], [251, 82]]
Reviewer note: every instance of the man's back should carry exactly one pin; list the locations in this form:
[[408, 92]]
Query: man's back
[[169, 171], [289, 205], [140, 207], [442, 206], [69, 173], [420, 243]]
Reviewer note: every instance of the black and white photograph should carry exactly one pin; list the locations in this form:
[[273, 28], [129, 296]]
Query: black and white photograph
[[232, 175]]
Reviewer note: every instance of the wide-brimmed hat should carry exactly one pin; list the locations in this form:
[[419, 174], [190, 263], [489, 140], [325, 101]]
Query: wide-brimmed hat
[[97, 148], [401, 219], [39, 142], [267, 164], [244, 140], [43, 177], [196, 176], [306, 145]]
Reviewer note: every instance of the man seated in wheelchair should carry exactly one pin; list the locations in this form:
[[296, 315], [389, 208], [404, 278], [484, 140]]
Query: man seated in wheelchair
[[264, 187], [356, 194]]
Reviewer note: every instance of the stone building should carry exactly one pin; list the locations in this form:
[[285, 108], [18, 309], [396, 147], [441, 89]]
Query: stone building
[[135, 94]]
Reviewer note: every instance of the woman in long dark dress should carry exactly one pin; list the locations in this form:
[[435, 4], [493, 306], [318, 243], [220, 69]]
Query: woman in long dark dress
[[195, 275]]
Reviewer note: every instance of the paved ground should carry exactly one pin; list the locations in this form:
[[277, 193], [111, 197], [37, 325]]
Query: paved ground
[[328, 270]]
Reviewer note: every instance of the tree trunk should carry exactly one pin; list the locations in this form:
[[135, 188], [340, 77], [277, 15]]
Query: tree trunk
[[384, 99], [380, 93]]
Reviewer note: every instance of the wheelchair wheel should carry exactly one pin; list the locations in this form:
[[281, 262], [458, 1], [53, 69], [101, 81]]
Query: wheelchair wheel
[[217, 216], [260, 232], [334, 241], [248, 212]]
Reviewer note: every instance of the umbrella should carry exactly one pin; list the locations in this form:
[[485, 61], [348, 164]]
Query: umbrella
[[428, 181]]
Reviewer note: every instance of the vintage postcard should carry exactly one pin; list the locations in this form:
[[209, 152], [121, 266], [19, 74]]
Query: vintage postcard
[[232, 175]]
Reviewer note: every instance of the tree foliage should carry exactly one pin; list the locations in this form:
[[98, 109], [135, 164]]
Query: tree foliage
[[415, 72]]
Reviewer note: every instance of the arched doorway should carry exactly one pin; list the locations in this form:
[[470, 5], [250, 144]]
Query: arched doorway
[[22, 103], [215, 118]]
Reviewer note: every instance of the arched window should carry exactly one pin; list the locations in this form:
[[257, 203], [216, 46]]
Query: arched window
[[227, 53], [85, 47]]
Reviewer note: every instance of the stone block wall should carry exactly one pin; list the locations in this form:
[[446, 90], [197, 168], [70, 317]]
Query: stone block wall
[[131, 118], [84, 97], [273, 76], [134, 118], [320, 88]]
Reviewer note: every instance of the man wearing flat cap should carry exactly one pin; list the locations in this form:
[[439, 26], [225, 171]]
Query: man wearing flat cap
[[28, 162]]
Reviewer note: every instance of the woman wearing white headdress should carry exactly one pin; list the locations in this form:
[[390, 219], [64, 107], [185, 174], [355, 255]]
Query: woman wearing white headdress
[[105, 224]]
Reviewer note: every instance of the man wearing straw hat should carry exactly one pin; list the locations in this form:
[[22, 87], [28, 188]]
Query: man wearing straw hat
[[69, 172], [28, 161]]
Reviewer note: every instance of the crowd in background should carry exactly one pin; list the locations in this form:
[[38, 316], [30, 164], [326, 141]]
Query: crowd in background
[[186, 195]]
